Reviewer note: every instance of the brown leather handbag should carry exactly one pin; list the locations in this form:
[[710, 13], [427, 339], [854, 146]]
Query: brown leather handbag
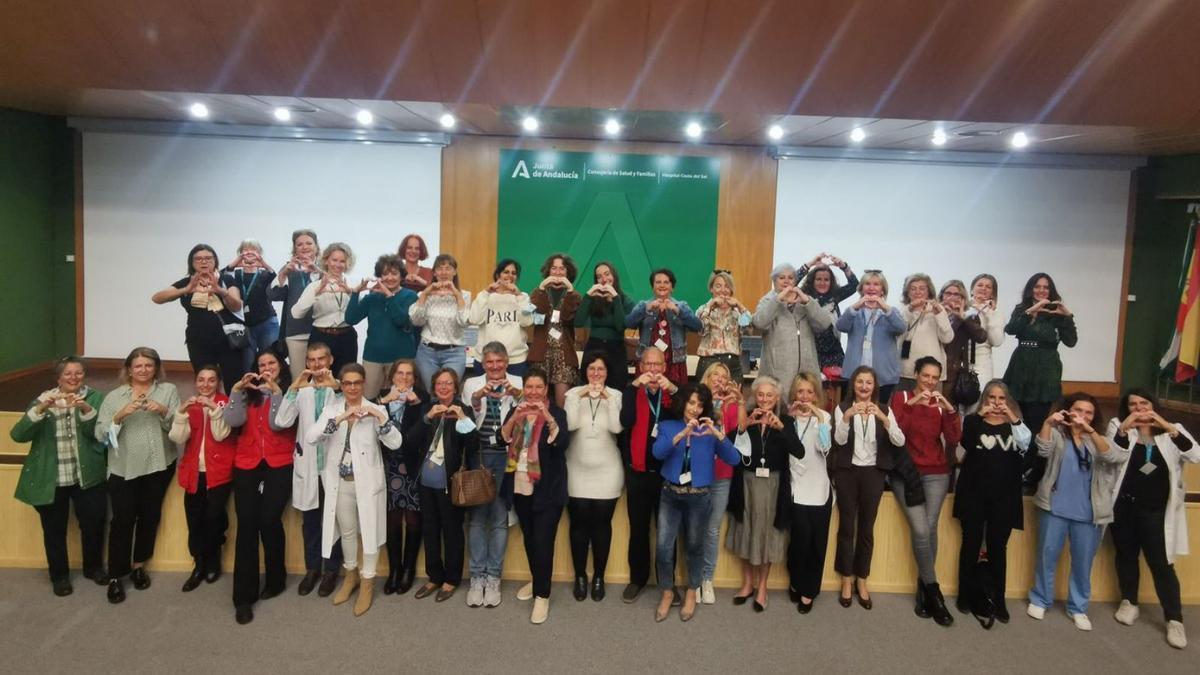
[[472, 487]]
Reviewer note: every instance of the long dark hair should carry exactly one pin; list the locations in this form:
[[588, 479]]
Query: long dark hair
[[254, 396], [601, 306], [810, 281], [1123, 406], [849, 398], [1027, 294]]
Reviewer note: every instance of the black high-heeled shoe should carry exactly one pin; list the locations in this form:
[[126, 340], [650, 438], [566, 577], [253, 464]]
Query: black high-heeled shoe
[[393, 579], [741, 599], [597, 588], [580, 591], [406, 580], [846, 600]]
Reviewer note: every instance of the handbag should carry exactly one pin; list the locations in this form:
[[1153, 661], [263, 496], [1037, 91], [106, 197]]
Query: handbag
[[966, 382], [235, 334], [472, 487]]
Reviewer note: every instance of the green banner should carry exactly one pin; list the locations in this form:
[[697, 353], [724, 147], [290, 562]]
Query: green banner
[[639, 211]]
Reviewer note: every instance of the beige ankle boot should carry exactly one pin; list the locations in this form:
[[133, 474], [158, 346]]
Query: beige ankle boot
[[366, 592], [349, 583]]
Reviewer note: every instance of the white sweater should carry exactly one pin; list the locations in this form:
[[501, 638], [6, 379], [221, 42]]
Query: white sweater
[[502, 318], [594, 468]]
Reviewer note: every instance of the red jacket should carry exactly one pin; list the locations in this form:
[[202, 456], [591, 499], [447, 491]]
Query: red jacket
[[925, 427], [258, 441], [218, 455]]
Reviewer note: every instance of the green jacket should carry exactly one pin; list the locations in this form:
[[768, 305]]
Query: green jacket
[[39, 475]]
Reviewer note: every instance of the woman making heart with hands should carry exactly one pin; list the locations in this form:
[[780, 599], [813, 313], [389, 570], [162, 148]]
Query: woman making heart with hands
[[327, 301], [987, 500], [728, 413], [602, 312], [810, 506], [557, 301], [872, 327], [928, 328], [688, 447], [442, 312], [537, 441], [663, 322], [723, 318], [765, 440]]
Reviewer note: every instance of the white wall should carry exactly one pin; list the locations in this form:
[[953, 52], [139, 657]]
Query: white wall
[[956, 221], [148, 199]]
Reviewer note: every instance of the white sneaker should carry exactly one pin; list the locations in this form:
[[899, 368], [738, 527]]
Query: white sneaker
[[1176, 637], [475, 594], [708, 596], [541, 610], [1127, 613], [1082, 622], [491, 592], [525, 592], [1036, 612]]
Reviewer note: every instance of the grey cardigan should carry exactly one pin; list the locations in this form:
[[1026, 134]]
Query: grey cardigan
[[788, 345], [1104, 474]]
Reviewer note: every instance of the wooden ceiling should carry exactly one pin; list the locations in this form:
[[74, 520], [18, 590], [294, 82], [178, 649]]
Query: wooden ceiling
[[1108, 63]]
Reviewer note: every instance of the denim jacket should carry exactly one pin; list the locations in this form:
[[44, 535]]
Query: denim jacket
[[645, 321], [885, 350]]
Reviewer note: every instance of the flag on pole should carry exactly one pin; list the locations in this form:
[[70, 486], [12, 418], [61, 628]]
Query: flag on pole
[[1185, 343]]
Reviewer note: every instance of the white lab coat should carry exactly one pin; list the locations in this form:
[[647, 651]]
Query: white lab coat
[[370, 484], [305, 472], [1175, 518]]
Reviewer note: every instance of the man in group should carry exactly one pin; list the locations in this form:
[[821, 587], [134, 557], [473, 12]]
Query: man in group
[[311, 391], [491, 395], [646, 402]]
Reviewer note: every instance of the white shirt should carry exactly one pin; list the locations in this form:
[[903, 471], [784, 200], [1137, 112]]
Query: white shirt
[[865, 451], [810, 477]]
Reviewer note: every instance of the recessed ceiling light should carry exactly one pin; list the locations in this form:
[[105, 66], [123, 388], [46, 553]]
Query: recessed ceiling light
[[693, 130], [858, 135], [775, 132], [365, 117], [447, 121], [198, 110], [283, 114], [939, 137], [530, 123], [612, 127], [1019, 140]]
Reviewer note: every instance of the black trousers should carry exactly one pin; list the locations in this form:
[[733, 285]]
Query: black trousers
[[91, 512], [403, 538], [136, 510], [806, 548], [988, 523], [642, 489], [207, 520], [538, 528], [618, 363], [859, 490], [259, 497], [343, 346], [217, 352], [590, 526], [442, 530], [1136, 529]]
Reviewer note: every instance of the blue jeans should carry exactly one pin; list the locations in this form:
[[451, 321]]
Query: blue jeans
[[310, 528], [1085, 539], [430, 360], [487, 533], [719, 491], [261, 336], [689, 513], [923, 522]]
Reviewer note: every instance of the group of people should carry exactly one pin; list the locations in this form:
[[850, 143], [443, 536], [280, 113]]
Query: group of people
[[369, 451]]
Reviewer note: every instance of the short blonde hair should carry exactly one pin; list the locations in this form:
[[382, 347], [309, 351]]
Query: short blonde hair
[[712, 370], [338, 246], [720, 274], [875, 275], [913, 278], [251, 244]]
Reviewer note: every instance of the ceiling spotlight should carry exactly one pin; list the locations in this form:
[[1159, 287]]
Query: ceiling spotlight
[[198, 110], [939, 137], [1019, 140], [447, 121], [365, 117], [775, 132], [530, 123], [612, 127], [283, 114], [857, 135], [693, 130]]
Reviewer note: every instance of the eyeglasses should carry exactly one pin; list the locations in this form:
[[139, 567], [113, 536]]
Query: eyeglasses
[[352, 383]]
